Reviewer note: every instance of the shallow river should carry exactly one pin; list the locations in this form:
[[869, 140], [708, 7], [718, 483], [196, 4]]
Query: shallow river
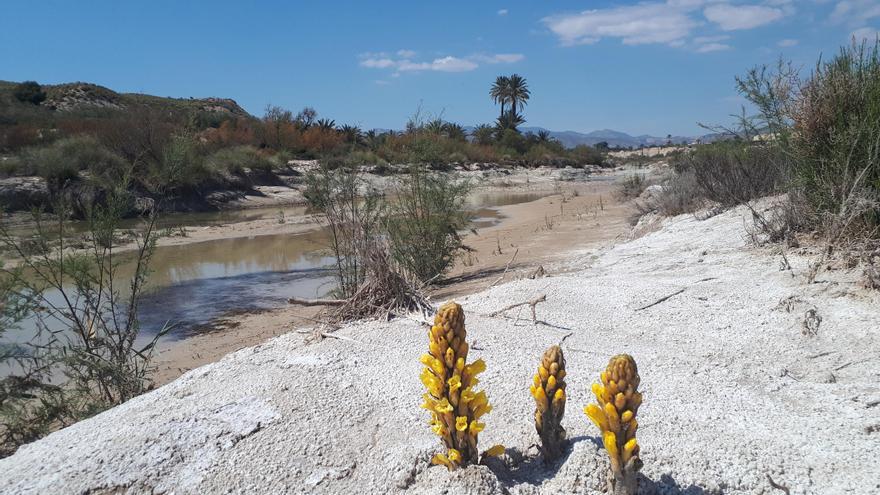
[[193, 284]]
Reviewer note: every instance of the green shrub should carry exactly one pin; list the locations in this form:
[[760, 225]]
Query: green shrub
[[237, 159], [633, 185], [425, 220], [734, 172], [62, 161], [587, 155], [829, 126], [29, 92]]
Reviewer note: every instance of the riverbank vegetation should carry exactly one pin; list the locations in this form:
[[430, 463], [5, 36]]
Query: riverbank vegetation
[[82, 351], [814, 141], [76, 135]]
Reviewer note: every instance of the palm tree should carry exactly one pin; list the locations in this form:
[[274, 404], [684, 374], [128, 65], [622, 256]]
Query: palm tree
[[517, 92], [482, 134], [351, 134], [509, 120], [543, 136], [435, 126], [500, 91], [454, 131], [326, 124]]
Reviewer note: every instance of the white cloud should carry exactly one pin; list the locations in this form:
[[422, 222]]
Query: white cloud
[[403, 62], [700, 40], [498, 58], [377, 63], [787, 43], [865, 34], [649, 22], [712, 47], [855, 11], [502, 12], [734, 17]]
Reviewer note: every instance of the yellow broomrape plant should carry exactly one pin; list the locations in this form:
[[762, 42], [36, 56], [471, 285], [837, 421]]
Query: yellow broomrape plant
[[454, 405], [618, 401], [548, 389]]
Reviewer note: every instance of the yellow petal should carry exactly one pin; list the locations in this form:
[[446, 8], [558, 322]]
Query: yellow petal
[[541, 399], [494, 451], [454, 456], [619, 401], [551, 384], [610, 441], [596, 414], [454, 383], [613, 418], [599, 392], [476, 427], [443, 406], [440, 459], [461, 423], [626, 416]]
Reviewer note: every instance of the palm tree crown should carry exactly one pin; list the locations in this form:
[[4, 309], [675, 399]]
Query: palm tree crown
[[500, 90], [517, 91]]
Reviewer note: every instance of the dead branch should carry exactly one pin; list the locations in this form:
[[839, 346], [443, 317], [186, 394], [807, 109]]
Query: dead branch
[[778, 486], [664, 298], [317, 302], [534, 302], [499, 279]]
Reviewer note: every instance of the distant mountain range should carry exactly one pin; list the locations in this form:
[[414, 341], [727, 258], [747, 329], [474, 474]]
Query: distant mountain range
[[570, 139]]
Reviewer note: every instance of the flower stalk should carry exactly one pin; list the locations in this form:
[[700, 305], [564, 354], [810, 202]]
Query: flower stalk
[[618, 401], [548, 389], [456, 408]]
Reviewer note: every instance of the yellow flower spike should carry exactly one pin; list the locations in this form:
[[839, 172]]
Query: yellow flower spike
[[494, 451], [618, 400], [454, 404], [549, 393]]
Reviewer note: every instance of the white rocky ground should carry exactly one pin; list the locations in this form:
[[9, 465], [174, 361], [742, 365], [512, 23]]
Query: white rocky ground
[[734, 391]]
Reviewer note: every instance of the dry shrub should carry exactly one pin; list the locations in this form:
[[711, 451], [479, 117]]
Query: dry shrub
[[384, 293]]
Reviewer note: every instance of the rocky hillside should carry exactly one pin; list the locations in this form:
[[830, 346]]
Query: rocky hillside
[[81, 96]]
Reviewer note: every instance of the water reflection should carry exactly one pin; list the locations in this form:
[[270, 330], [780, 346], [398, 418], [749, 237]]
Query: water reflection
[[192, 284]]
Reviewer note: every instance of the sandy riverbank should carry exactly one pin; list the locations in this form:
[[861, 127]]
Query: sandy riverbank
[[735, 391], [583, 215]]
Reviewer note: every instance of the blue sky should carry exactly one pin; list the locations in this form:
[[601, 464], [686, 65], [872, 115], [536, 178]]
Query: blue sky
[[653, 67]]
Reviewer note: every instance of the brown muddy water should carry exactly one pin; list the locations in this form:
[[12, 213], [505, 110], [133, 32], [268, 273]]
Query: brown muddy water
[[192, 284]]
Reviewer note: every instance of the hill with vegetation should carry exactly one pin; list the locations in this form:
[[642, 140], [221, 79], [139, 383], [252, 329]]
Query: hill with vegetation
[[87, 138]]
